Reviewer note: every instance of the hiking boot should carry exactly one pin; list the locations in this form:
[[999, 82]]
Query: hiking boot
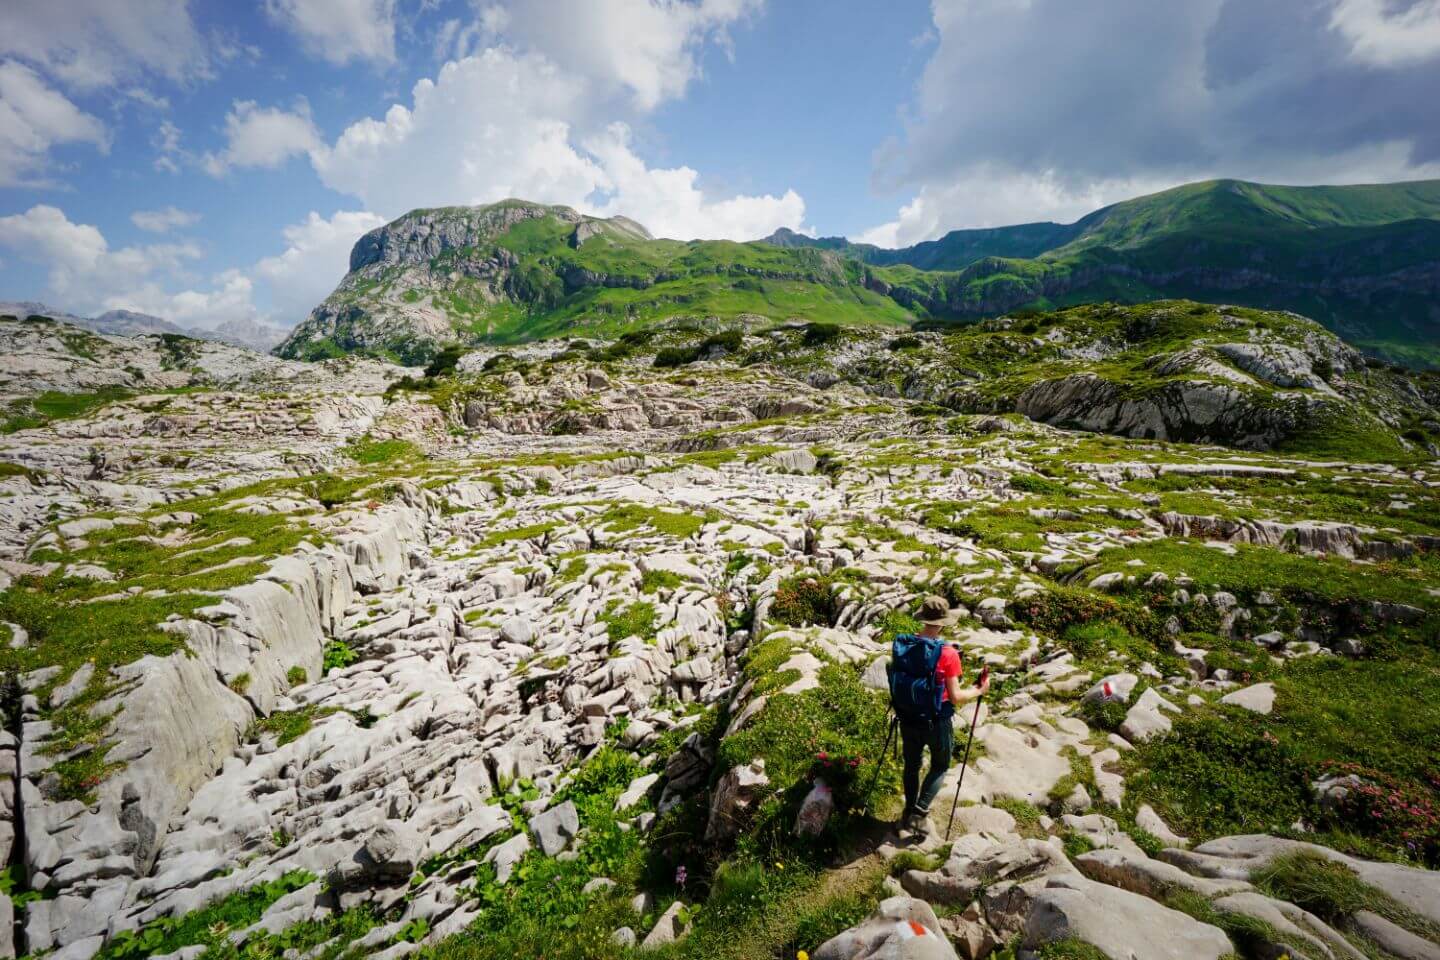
[[912, 825]]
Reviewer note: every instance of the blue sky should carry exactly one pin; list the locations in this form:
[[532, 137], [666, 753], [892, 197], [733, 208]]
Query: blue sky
[[211, 162]]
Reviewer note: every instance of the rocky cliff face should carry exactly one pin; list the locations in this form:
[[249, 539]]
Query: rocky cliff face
[[428, 277]]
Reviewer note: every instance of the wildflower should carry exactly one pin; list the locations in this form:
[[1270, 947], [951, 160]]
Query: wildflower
[[801, 955], [779, 865], [681, 876]]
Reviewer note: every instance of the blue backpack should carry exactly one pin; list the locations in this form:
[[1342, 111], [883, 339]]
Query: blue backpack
[[915, 690]]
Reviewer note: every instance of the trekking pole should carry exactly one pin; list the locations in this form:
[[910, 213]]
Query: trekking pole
[[984, 673], [880, 760]]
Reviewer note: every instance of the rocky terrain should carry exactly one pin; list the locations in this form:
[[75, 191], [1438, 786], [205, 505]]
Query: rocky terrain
[[575, 649], [251, 334]]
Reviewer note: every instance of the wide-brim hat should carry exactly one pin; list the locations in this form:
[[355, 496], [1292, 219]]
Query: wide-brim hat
[[936, 609]]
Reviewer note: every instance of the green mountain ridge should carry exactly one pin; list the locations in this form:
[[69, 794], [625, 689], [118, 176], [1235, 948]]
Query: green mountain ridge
[[1363, 260]]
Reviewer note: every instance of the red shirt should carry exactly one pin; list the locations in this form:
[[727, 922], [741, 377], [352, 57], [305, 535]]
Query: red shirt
[[949, 666]]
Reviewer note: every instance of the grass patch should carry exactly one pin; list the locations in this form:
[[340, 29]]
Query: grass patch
[[371, 452], [209, 926], [634, 516], [629, 620], [1333, 892]]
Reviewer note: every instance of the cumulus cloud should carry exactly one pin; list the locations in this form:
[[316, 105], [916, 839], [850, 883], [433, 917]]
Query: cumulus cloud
[[82, 267], [33, 118], [91, 44], [520, 139], [339, 30], [164, 220], [1031, 110], [649, 48], [87, 275], [258, 136], [315, 259], [669, 203], [513, 141], [230, 299], [1383, 36]]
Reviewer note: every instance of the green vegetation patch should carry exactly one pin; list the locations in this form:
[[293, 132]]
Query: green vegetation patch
[[805, 599], [53, 405], [629, 620], [634, 516], [370, 451], [210, 926]]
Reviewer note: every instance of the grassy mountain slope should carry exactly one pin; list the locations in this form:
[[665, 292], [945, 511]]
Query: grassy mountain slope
[[517, 271], [1363, 260]]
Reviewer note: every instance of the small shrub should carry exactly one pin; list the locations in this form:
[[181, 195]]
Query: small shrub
[[1399, 813], [802, 600], [726, 341], [1217, 775], [297, 675], [339, 655], [895, 622], [1103, 714], [669, 357], [819, 334], [654, 580], [445, 361], [369, 451]]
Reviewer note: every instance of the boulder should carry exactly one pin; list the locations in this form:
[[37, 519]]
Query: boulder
[[507, 856], [389, 855], [556, 827], [1291, 923], [1115, 688], [735, 797], [901, 928], [1121, 924], [1394, 940], [636, 791], [815, 810], [1258, 698], [667, 929]]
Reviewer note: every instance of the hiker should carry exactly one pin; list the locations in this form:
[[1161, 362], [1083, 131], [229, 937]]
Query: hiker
[[925, 691]]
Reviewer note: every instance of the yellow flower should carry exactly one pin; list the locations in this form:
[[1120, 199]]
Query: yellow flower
[[802, 955], [779, 865]]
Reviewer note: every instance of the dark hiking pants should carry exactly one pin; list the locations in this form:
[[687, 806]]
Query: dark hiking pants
[[915, 739]]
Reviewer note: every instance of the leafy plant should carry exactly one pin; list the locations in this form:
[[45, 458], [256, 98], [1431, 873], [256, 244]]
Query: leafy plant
[[338, 656], [805, 599]]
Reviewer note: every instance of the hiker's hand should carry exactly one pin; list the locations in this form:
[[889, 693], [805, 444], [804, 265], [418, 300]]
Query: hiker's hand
[[984, 684]]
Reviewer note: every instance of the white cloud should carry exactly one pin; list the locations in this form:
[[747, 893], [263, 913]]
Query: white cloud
[[990, 197], [83, 270], [1044, 109], [33, 118], [229, 300], [1382, 36], [86, 275], [519, 140], [263, 137], [647, 47], [340, 30], [91, 44], [513, 140], [168, 152], [164, 220], [669, 203], [316, 259]]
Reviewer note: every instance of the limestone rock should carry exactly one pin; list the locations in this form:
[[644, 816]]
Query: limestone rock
[[900, 928], [1123, 925]]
